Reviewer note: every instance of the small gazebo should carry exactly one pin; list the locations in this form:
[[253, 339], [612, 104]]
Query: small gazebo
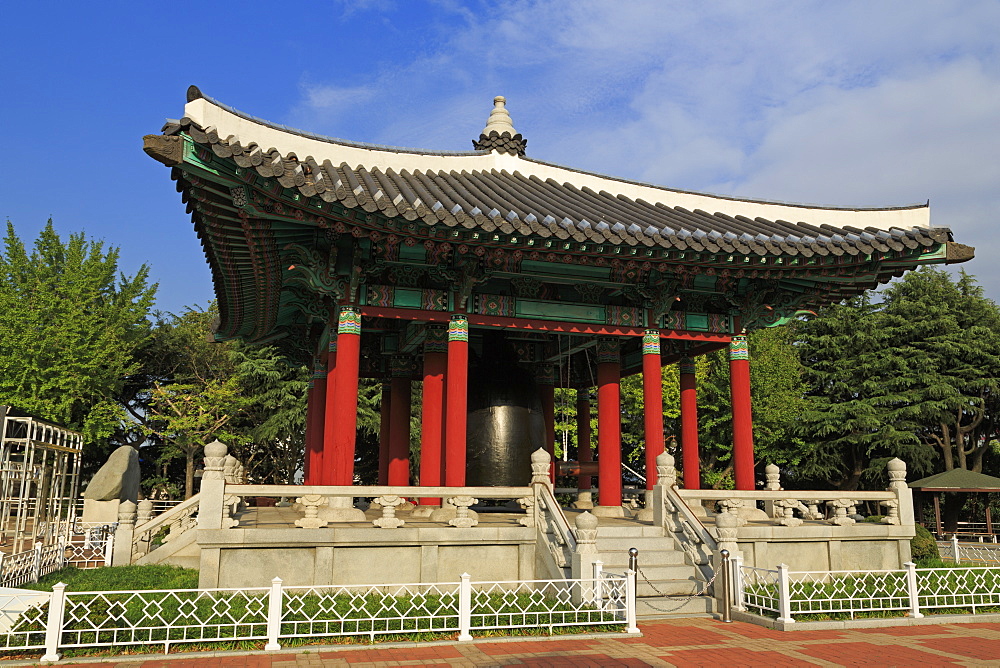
[[955, 481]]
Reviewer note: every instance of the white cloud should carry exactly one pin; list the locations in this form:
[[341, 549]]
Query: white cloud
[[847, 103]]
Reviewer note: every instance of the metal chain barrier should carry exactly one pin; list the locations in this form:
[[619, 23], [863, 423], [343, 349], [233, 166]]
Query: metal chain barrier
[[684, 600], [634, 565]]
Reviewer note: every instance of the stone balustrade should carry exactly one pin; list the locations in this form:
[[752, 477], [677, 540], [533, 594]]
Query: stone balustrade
[[793, 508]]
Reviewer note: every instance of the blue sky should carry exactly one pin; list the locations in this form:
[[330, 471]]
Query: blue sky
[[845, 103]]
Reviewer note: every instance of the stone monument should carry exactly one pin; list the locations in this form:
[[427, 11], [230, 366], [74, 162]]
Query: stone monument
[[115, 482]]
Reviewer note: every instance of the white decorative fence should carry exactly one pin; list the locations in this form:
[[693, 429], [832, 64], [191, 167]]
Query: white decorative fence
[[62, 620], [969, 553], [90, 548], [910, 591]]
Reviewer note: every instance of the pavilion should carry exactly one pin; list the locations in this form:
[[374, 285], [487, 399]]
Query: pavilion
[[402, 265]]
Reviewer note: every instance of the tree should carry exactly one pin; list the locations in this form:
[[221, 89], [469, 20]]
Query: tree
[[915, 377], [274, 418], [945, 335], [189, 415], [71, 327], [193, 395]]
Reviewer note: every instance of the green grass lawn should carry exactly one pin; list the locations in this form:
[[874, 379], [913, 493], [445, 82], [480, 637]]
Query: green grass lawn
[[119, 578]]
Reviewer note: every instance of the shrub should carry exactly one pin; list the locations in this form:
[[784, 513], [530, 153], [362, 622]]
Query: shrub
[[924, 549]]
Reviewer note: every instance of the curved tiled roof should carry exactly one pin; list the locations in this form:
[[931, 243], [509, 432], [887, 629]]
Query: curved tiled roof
[[256, 189], [514, 195]]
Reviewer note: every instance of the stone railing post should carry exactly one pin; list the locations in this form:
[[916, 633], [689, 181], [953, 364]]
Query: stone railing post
[[311, 503], [121, 554], [541, 462], [145, 512], [784, 510], [388, 520], [666, 477], [463, 518], [211, 510], [530, 505], [773, 484], [732, 507], [840, 507], [727, 525], [904, 495], [586, 545]]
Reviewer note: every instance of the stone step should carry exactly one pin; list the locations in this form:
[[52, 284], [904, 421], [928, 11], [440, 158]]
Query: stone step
[[618, 558], [642, 543], [665, 607], [630, 531]]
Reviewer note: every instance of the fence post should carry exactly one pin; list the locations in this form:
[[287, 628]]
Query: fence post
[[784, 595], [36, 562], [109, 549], [630, 621], [3, 582], [464, 608], [739, 586], [954, 548], [726, 571], [599, 584], [911, 589], [62, 551], [53, 627], [274, 599]]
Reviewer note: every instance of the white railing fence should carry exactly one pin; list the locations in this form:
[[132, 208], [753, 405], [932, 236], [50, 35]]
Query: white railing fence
[[969, 553], [91, 548], [911, 591], [62, 620]]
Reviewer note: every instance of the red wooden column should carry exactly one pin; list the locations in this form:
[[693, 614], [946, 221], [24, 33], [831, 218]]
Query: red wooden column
[[609, 427], [739, 386], [584, 450], [652, 401], [432, 415], [399, 421], [689, 425], [545, 378], [316, 407], [384, 429], [323, 475], [457, 391], [345, 397]]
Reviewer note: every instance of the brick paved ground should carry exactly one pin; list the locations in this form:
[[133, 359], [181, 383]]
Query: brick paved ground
[[688, 643]]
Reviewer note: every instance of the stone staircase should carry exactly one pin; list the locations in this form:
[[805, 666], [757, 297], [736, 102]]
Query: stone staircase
[[666, 578]]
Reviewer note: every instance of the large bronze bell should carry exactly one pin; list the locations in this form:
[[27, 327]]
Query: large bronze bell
[[505, 423]]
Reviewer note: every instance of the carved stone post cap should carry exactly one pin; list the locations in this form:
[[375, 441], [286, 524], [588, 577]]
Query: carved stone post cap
[[586, 521], [896, 464], [145, 504], [665, 459], [216, 449], [540, 456], [126, 508], [772, 469], [727, 521]]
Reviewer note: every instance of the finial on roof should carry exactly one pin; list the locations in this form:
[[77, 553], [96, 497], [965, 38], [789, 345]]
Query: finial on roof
[[194, 93], [499, 133]]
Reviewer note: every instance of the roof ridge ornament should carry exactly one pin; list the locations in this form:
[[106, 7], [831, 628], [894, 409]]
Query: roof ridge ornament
[[499, 134]]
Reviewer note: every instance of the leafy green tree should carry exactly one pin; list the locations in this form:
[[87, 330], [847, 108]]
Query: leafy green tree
[[189, 415], [274, 418], [776, 389], [915, 377], [72, 324]]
